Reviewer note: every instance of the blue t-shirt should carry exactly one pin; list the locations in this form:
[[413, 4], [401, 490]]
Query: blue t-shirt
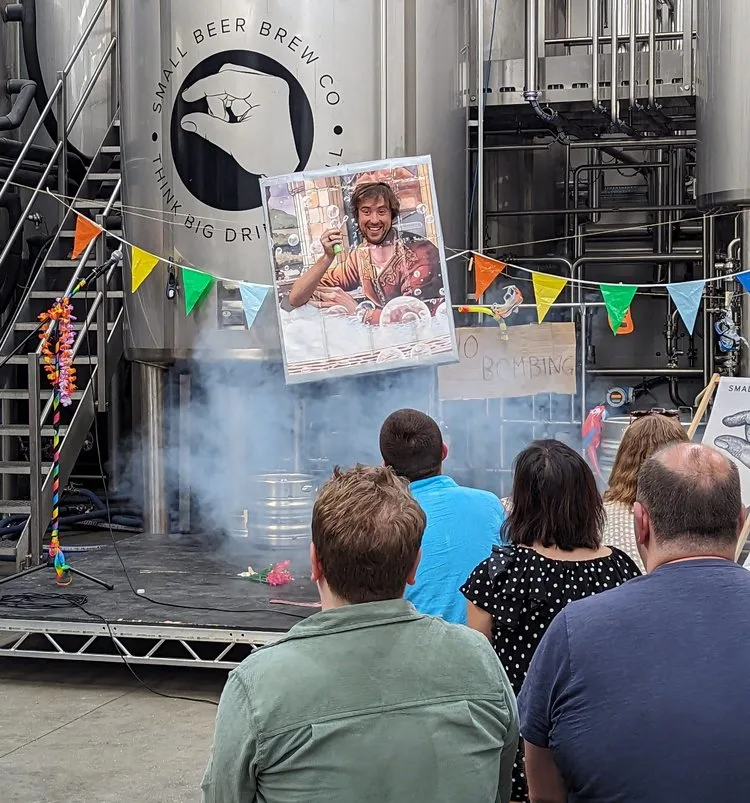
[[463, 524], [643, 692]]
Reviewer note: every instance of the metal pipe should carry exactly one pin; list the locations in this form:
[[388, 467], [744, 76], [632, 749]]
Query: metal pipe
[[614, 28], [594, 21], [586, 41], [632, 54], [85, 35], [383, 79], [644, 371], [34, 131], [480, 127], [745, 320], [185, 435], [531, 58], [733, 249], [640, 144], [530, 147], [36, 527], [152, 443], [62, 120], [652, 55], [101, 323], [583, 210]]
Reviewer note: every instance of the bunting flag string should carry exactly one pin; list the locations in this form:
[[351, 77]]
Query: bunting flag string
[[486, 270], [546, 290], [86, 231], [196, 283]]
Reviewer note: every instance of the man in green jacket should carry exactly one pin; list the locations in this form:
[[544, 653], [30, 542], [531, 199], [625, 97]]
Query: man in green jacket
[[367, 701]]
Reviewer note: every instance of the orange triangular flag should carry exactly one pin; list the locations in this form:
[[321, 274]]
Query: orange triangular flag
[[486, 270], [86, 231]]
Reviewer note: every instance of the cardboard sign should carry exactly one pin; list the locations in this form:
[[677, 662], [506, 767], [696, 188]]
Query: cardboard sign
[[728, 427], [536, 358]]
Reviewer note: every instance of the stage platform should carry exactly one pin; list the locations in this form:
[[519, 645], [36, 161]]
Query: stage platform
[[197, 572]]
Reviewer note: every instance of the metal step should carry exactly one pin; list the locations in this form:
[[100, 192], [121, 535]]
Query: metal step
[[67, 263], [55, 294], [69, 234], [95, 203], [19, 467], [32, 326], [22, 359], [15, 506], [110, 149], [22, 394], [22, 431], [103, 177]]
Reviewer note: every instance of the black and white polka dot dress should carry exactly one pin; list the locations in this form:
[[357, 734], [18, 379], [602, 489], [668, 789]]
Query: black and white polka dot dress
[[524, 591]]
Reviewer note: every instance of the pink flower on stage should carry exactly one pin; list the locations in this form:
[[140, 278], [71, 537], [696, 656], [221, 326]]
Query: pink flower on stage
[[279, 575]]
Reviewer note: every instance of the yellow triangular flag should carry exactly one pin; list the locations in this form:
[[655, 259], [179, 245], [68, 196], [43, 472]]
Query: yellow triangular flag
[[546, 290], [141, 265]]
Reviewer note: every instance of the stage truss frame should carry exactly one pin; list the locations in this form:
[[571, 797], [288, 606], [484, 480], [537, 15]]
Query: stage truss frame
[[155, 645]]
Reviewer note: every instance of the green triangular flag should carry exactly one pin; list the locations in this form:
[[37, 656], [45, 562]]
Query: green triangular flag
[[617, 300], [195, 284]]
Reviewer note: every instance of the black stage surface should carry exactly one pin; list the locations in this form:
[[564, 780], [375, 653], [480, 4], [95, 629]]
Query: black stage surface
[[199, 571]]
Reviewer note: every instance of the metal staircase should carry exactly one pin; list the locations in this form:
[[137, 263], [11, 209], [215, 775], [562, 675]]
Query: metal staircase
[[25, 394]]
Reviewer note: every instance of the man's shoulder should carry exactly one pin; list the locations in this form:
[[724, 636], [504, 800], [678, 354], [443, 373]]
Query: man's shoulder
[[486, 498]]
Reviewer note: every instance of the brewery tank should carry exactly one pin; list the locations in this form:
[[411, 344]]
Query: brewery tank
[[365, 80], [723, 103], [59, 27]]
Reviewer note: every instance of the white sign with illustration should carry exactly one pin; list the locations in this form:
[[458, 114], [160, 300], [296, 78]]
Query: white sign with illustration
[[728, 428]]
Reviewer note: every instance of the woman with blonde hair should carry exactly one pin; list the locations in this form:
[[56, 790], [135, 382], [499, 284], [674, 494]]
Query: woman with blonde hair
[[649, 432]]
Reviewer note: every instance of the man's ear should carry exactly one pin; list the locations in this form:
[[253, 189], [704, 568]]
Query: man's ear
[[412, 577], [445, 451], [642, 524], [316, 572]]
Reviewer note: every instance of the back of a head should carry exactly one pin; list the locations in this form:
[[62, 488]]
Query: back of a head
[[555, 499], [644, 437], [411, 444], [693, 498], [367, 531]]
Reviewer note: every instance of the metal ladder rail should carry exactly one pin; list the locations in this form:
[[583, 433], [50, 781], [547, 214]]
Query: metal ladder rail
[[65, 124]]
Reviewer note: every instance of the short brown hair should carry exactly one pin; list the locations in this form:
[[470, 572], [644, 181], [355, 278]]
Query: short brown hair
[[644, 437], [367, 531], [371, 190], [411, 444]]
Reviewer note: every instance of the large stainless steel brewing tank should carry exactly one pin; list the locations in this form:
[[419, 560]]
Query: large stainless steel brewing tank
[[723, 103], [59, 26], [337, 83]]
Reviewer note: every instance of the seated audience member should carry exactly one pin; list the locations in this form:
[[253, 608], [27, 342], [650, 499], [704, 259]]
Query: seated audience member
[[646, 435], [368, 700], [642, 693], [463, 524], [555, 556]]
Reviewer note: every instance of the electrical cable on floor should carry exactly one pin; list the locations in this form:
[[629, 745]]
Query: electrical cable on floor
[[60, 601]]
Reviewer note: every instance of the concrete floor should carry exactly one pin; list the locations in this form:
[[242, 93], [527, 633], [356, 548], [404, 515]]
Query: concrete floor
[[88, 733]]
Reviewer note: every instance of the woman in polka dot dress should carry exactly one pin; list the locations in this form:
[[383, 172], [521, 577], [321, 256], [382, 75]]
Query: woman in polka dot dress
[[554, 555]]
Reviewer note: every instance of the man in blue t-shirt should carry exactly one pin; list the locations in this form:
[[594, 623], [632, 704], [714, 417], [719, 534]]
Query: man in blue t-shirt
[[641, 693], [463, 524]]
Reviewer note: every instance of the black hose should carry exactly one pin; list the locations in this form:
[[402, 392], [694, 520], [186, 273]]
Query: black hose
[[674, 393], [34, 70], [24, 90], [11, 148], [14, 263]]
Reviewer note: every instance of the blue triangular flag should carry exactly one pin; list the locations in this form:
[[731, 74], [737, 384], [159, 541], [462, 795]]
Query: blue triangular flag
[[744, 279], [687, 298], [253, 296]]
